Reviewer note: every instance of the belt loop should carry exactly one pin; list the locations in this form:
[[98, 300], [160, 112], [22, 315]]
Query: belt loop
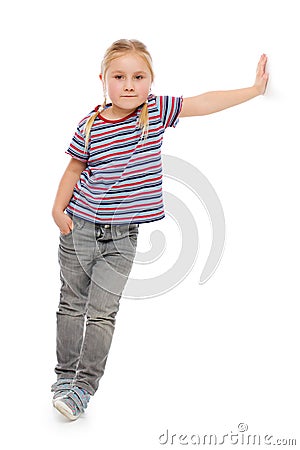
[[118, 232]]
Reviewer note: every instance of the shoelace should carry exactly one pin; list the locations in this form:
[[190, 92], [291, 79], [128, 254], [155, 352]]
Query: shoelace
[[77, 399], [61, 383], [61, 387]]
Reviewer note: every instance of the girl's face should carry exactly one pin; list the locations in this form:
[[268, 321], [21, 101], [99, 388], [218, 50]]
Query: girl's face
[[127, 82]]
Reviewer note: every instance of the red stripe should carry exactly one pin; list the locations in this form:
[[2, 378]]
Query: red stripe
[[112, 198], [82, 152], [138, 158], [79, 137], [132, 161], [114, 142], [110, 155], [96, 188], [105, 133], [139, 194], [127, 207], [143, 170], [110, 220], [118, 219], [103, 208]]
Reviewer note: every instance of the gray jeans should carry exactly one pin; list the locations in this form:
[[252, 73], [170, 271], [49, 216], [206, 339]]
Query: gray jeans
[[95, 262]]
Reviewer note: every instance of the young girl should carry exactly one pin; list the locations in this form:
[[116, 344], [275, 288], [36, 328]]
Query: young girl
[[112, 184]]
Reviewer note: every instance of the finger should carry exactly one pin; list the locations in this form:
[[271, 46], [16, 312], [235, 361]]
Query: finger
[[262, 61], [67, 227], [261, 68], [259, 65], [70, 223], [65, 230]]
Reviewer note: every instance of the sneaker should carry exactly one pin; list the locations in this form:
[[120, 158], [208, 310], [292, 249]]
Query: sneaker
[[61, 387], [73, 403]]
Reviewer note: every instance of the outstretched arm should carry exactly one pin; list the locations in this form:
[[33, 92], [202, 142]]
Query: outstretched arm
[[214, 101]]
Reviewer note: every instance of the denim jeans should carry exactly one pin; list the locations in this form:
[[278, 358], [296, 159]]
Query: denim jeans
[[95, 262]]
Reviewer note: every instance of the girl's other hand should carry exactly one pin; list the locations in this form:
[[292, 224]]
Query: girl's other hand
[[262, 76], [63, 221]]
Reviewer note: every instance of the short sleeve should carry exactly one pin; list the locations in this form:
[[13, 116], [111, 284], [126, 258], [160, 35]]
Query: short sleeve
[[169, 110], [77, 146]]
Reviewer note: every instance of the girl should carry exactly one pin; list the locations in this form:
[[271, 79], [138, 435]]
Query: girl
[[112, 184]]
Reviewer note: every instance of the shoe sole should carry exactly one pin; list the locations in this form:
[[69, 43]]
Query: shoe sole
[[64, 410], [54, 400]]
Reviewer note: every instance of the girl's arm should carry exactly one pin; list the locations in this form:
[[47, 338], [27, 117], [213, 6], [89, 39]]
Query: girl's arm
[[64, 195], [211, 102]]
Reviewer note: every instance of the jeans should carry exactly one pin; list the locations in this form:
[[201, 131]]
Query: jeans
[[95, 262]]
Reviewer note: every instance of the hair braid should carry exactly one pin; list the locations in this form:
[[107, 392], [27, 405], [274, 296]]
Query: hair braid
[[144, 120]]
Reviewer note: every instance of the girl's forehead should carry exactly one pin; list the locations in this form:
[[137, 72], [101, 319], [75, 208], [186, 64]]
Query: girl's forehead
[[129, 62]]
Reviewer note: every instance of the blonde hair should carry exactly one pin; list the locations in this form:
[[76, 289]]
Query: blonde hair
[[117, 49]]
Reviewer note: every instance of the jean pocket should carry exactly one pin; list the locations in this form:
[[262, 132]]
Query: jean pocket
[[77, 225], [133, 234], [134, 227], [65, 235]]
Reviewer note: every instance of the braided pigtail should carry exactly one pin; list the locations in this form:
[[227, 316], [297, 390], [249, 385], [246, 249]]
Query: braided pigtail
[[87, 128], [144, 120], [89, 123]]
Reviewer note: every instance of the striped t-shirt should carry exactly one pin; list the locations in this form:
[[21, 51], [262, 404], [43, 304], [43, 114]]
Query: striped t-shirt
[[122, 182]]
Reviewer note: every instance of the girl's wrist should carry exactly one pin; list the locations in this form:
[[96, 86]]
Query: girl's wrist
[[259, 89], [56, 211]]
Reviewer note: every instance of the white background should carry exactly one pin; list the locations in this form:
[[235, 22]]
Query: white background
[[199, 359]]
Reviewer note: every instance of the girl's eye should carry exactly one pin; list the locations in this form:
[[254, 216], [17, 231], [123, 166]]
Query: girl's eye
[[121, 77]]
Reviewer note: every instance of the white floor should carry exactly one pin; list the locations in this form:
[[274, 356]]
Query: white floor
[[183, 365]]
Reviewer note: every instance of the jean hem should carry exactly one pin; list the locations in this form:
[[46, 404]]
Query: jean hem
[[85, 387]]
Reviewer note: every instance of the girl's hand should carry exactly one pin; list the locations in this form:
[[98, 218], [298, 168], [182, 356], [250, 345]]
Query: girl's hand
[[262, 76], [63, 221]]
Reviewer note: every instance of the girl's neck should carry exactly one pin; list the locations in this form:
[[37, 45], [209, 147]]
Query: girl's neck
[[114, 113]]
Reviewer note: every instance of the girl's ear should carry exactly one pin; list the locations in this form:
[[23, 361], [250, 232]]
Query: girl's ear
[[103, 84]]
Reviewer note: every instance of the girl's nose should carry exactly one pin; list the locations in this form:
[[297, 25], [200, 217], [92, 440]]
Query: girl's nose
[[128, 86]]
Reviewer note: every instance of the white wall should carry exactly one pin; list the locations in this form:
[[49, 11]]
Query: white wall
[[202, 358]]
